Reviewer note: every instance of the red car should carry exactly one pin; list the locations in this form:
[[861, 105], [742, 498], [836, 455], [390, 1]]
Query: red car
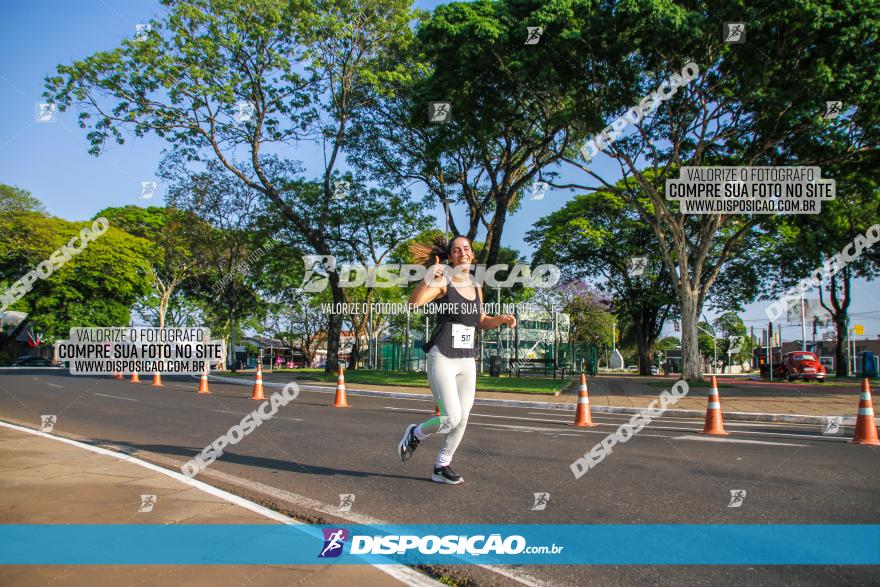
[[802, 365]]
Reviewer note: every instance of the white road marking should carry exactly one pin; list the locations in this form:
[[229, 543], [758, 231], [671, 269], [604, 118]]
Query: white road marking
[[656, 425], [734, 440], [554, 431], [128, 399], [246, 413], [401, 573], [53, 385], [680, 419]]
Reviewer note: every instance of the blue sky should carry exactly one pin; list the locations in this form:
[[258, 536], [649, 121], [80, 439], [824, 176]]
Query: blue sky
[[51, 160]]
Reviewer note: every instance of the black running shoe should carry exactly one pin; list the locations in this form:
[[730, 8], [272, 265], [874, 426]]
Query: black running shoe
[[408, 443], [446, 475]]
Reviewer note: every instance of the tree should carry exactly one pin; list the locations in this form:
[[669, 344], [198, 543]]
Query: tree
[[805, 243], [173, 262], [230, 242], [216, 77], [96, 287], [15, 200], [743, 108], [727, 325], [588, 310], [596, 236], [511, 104]]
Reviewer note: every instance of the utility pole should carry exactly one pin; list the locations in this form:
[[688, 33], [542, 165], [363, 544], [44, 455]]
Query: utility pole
[[406, 344], [803, 324], [499, 329]]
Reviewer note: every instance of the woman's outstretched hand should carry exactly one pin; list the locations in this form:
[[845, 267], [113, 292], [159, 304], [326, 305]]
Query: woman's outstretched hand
[[508, 319]]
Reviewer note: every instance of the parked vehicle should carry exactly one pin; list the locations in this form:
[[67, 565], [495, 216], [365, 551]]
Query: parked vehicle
[[655, 370], [803, 365]]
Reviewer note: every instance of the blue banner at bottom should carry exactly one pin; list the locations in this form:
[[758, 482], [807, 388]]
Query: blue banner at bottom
[[271, 544]]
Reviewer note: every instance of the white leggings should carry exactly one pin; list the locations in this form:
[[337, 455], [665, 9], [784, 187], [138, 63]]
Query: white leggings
[[453, 383]]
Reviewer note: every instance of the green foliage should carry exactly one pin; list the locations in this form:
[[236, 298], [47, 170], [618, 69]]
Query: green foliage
[[97, 287], [15, 200]]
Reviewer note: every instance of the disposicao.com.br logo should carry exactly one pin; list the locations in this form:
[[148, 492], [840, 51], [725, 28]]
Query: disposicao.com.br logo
[[450, 544], [390, 275]]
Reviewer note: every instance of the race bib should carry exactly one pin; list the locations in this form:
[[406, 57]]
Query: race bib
[[462, 336]]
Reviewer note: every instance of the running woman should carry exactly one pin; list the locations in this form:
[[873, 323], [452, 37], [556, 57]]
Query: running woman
[[452, 369]]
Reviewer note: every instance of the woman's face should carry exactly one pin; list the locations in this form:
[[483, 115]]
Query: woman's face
[[460, 253]]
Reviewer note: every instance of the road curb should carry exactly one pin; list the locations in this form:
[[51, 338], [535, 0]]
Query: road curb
[[512, 403], [402, 573]]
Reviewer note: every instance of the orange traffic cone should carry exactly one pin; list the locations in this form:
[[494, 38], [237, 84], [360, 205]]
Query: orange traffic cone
[[134, 377], [203, 383], [341, 401], [157, 379], [866, 426], [714, 421], [258, 385], [118, 376], [436, 409], [582, 416]]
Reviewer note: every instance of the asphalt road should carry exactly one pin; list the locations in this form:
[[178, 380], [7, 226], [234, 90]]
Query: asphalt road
[[667, 474]]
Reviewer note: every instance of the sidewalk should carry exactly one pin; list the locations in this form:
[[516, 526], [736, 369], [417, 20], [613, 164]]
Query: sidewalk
[[45, 481], [755, 400]]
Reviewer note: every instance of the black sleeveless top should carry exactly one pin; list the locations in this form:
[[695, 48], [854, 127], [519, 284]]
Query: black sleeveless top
[[457, 320]]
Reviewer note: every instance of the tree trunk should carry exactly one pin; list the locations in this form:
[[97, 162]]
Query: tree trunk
[[691, 367], [841, 364], [645, 325], [233, 364], [839, 311], [494, 244], [334, 326]]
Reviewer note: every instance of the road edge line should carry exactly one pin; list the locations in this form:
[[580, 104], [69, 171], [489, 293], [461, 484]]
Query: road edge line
[[513, 403], [400, 572]]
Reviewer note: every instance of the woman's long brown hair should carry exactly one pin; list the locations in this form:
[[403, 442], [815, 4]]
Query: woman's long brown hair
[[424, 254]]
